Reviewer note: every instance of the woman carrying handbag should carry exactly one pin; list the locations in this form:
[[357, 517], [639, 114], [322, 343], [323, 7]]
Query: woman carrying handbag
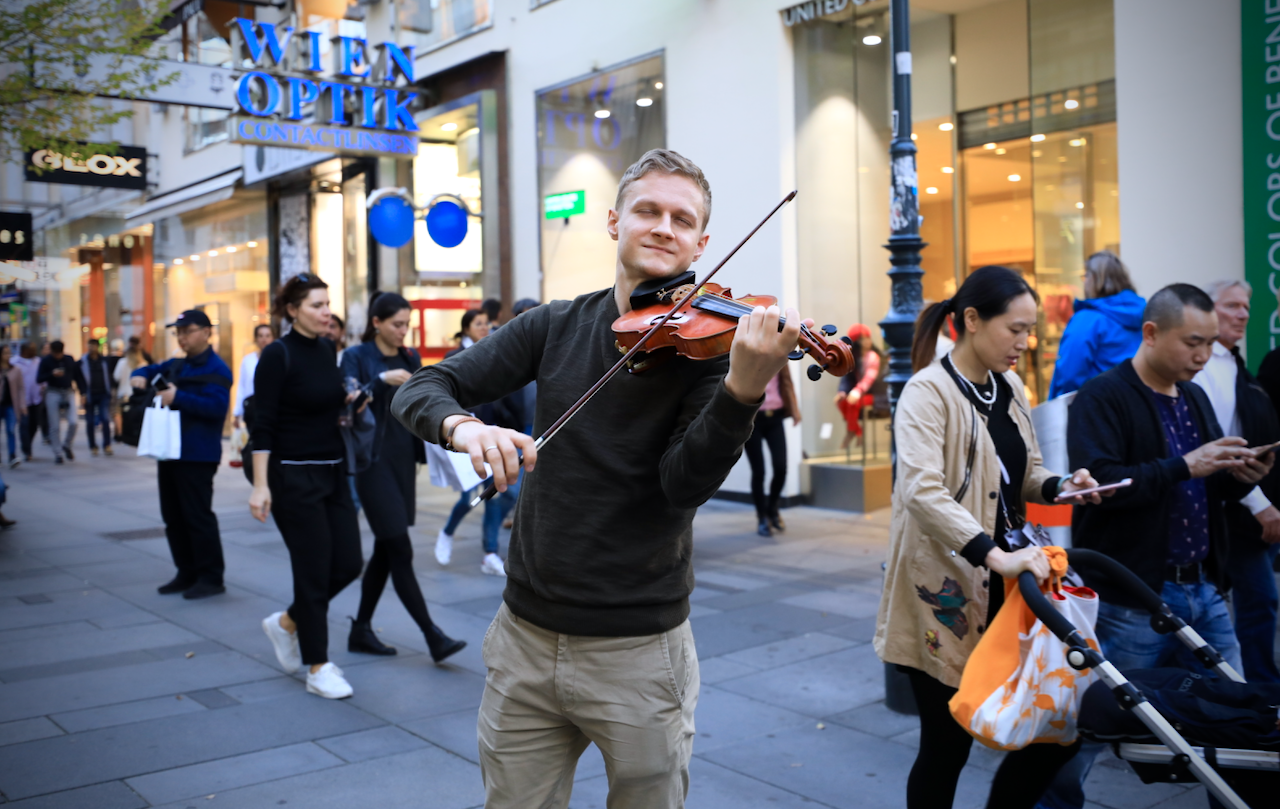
[[387, 487], [300, 478], [967, 455]]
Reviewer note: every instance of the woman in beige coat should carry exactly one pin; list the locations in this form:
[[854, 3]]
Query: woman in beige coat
[[967, 462]]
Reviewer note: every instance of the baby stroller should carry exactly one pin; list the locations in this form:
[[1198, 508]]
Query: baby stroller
[[1223, 733]]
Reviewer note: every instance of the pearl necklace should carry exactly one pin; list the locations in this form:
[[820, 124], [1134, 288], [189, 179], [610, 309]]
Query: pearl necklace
[[989, 399]]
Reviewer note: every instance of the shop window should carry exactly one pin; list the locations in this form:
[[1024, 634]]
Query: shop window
[[205, 39], [589, 131], [430, 24]]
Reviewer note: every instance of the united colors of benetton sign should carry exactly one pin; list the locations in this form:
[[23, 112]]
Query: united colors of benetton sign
[[290, 100]]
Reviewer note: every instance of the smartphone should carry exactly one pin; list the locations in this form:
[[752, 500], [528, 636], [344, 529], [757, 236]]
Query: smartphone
[[1258, 452], [160, 383], [359, 401], [1085, 492]]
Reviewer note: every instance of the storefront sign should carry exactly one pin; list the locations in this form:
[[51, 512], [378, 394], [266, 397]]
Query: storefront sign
[[288, 87], [127, 168], [15, 237], [570, 203], [817, 9], [1260, 80]]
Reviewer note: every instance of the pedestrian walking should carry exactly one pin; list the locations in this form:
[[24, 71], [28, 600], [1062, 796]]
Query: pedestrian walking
[[387, 488], [855, 390], [13, 402], [1243, 408], [968, 462], [508, 413], [492, 308], [300, 478], [1106, 328], [133, 359], [199, 388], [770, 428], [263, 336], [1146, 420], [593, 642], [61, 375], [33, 417], [95, 368]]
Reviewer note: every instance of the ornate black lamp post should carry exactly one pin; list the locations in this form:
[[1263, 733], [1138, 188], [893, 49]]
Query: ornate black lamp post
[[904, 214], [904, 247]]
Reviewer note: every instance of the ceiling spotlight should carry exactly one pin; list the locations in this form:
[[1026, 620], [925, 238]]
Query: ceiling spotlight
[[1001, 151], [213, 253], [1080, 205], [644, 102], [177, 261], [658, 85], [872, 39], [251, 244], [914, 136], [931, 190], [602, 114], [1013, 178], [1037, 138], [1076, 141], [946, 127], [195, 256], [449, 127], [948, 170], [1071, 104], [988, 146], [231, 249]]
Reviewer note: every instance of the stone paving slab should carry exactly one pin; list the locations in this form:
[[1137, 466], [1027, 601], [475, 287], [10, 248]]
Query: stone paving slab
[[101, 706]]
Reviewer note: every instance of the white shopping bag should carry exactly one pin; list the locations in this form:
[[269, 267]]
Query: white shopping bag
[[1018, 688], [161, 436], [451, 470]]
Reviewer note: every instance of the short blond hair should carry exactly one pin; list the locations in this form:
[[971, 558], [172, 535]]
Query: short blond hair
[[666, 161]]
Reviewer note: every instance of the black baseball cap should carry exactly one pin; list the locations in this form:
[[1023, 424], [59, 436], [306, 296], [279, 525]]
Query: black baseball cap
[[191, 317]]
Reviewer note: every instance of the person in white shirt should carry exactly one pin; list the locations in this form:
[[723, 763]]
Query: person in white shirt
[[1244, 409], [262, 337]]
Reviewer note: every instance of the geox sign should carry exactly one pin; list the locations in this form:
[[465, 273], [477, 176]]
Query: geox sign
[[127, 168], [291, 101]]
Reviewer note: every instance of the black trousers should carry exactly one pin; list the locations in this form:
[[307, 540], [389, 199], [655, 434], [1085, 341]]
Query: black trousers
[[1023, 777], [312, 508], [767, 429], [186, 504], [37, 421]]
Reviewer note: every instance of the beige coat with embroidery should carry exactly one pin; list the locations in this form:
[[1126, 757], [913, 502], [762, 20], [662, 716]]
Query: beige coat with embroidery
[[933, 426]]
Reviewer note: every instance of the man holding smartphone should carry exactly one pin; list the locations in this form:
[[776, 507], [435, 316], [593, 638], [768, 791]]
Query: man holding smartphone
[[199, 387]]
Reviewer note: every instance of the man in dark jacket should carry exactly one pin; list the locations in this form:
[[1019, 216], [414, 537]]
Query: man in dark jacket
[[200, 389], [59, 373], [95, 369], [1145, 420]]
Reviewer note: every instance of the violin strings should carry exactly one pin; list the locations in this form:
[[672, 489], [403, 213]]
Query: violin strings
[[742, 310]]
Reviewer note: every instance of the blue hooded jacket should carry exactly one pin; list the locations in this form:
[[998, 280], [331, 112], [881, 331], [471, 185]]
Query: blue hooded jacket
[[203, 396], [1103, 333]]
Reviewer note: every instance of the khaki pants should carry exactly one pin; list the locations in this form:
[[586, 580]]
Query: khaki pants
[[549, 695]]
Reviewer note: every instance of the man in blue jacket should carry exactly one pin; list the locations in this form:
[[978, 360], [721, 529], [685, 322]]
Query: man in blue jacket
[[199, 387]]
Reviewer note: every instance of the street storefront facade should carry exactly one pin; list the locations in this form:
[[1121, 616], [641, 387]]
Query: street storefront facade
[[526, 119]]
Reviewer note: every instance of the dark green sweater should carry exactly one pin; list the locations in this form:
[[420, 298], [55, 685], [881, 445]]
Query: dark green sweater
[[603, 538]]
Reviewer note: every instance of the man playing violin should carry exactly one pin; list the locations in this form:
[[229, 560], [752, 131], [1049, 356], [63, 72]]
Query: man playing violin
[[593, 642]]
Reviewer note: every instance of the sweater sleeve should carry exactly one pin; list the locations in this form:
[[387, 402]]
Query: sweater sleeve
[[268, 384], [1096, 438], [500, 364], [711, 430], [206, 401]]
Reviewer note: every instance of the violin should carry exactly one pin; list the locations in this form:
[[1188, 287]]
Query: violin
[[705, 321]]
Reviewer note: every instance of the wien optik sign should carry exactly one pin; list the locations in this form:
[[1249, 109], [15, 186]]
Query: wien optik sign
[[289, 101]]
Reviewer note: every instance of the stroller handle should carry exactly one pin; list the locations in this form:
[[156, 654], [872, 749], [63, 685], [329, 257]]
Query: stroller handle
[[1107, 568]]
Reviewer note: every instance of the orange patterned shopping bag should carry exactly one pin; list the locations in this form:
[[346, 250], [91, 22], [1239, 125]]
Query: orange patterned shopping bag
[[1017, 688]]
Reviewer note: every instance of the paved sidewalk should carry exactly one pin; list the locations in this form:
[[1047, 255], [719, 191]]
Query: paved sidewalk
[[114, 697]]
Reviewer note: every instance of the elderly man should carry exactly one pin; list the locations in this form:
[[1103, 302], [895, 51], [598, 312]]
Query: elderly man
[[200, 389]]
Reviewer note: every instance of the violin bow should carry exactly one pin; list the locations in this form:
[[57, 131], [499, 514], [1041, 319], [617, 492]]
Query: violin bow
[[491, 489]]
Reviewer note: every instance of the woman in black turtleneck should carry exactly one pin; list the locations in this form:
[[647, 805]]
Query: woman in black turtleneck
[[300, 476]]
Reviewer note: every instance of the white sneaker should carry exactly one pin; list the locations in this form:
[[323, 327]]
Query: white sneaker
[[329, 683], [285, 643], [492, 565], [444, 548]]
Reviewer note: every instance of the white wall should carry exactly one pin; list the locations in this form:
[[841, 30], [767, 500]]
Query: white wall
[[733, 116], [1180, 131]]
